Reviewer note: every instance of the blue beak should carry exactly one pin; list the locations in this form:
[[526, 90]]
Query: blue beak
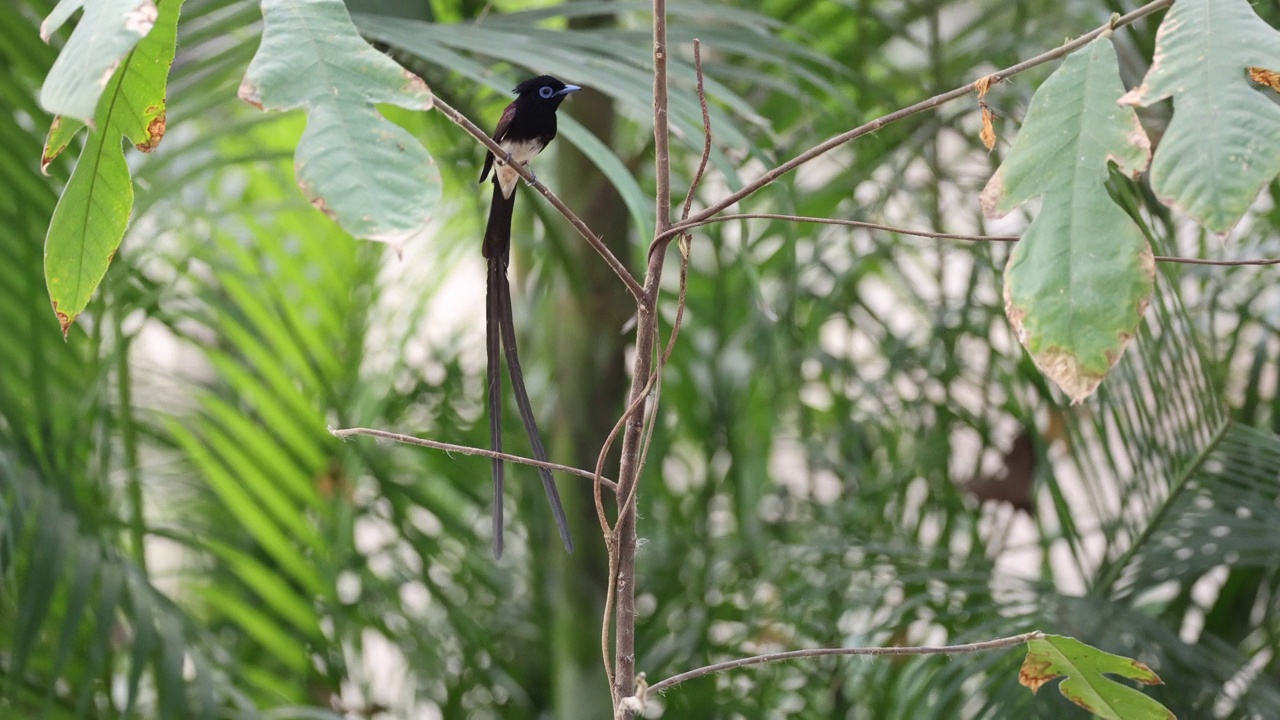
[[569, 89]]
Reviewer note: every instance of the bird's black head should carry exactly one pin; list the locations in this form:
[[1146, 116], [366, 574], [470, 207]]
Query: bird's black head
[[529, 123], [544, 90]]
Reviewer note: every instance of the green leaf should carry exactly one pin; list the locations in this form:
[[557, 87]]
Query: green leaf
[[79, 594], [1223, 144], [366, 173], [273, 589], [145, 638], [286, 647], [110, 592], [638, 203], [51, 556], [87, 227], [1083, 666], [170, 683], [108, 30], [257, 520], [61, 130], [92, 213], [1077, 284]]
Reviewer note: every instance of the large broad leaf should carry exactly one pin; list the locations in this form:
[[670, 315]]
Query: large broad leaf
[[1078, 283], [1223, 144], [368, 174], [92, 214], [1084, 684], [108, 30]]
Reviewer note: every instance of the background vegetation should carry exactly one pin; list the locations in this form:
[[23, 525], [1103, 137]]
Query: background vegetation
[[852, 449]]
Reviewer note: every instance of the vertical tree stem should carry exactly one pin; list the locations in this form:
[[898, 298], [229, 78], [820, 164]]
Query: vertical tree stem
[[646, 331]]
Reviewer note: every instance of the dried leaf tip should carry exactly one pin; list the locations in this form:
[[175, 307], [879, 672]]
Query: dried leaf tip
[[1263, 76]]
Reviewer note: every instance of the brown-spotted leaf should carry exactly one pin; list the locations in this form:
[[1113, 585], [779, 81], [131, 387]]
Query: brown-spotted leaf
[[1084, 670], [1223, 143], [1078, 282], [366, 173]]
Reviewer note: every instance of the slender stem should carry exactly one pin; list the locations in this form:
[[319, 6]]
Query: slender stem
[[1201, 261], [345, 433], [646, 330], [625, 532], [610, 594], [683, 228], [996, 644], [931, 103], [610, 533], [706, 132], [661, 131], [634, 407], [633, 285]]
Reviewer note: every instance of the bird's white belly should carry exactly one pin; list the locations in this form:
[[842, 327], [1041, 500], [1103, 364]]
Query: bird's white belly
[[522, 151]]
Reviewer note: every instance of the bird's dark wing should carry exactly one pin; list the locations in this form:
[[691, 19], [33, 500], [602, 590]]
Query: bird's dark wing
[[499, 134]]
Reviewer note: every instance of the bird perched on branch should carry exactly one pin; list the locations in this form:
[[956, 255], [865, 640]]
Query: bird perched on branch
[[526, 127]]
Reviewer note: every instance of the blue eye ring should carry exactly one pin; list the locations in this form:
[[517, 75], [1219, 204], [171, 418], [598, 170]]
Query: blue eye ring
[[546, 92]]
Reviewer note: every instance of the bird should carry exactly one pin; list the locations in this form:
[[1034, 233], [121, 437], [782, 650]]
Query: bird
[[526, 127]]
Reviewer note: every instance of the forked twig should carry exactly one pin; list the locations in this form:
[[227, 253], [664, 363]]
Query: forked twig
[[985, 645], [684, 227], [345, 433]]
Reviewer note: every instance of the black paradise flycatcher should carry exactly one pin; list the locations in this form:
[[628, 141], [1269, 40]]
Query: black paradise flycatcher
[[526, 126]]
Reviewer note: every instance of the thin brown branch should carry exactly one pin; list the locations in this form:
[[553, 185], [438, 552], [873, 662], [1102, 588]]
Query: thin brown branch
[[680, 300], [1229, 263], [636, 403], [609, 595], [685, 226], [611, 532], [922, 106], [996, 644], [345, 433], [633, 285], [661, 134], [706, 132], [647, 423], [688, 204]]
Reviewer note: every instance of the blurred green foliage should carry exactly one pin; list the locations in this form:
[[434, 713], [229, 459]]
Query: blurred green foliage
[[851, 447]]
